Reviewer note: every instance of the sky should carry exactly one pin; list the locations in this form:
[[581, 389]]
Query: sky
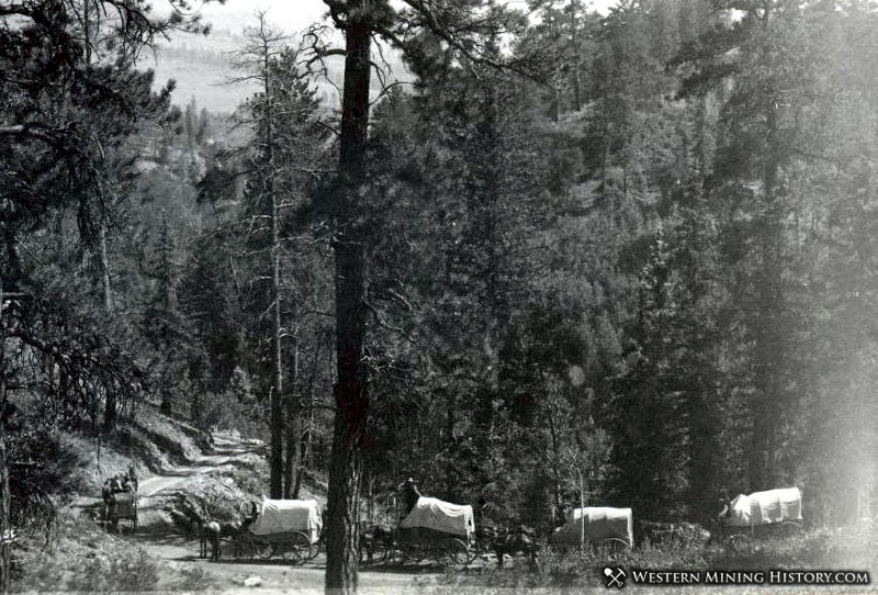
[[290, 15], [294, 15]]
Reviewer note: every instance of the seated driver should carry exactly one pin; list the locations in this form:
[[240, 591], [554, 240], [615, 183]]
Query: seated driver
[[410, 495]]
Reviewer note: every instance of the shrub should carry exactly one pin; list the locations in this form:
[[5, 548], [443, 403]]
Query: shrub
[[86, 559], [117, 570], [581, 570]]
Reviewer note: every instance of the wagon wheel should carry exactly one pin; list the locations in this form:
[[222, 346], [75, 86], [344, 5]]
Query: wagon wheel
[[384, 554], [244, 547], [310, 551], [264, 549], [484, 547], [410, 552], [300, 548], [790, 528], [613, 545], [455, 555], [391, 551], [740, 542], [389, 554], [462, 554]]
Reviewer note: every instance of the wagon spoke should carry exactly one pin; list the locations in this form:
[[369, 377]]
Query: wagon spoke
[[264, 549]]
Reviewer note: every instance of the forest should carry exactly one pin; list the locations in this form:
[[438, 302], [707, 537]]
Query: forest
[[624, 259]]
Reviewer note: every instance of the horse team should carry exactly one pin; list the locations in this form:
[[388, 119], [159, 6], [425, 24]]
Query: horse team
[[595, 525]]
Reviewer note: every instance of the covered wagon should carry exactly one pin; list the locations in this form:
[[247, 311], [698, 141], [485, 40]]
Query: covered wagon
[[770, 513], [291, 528], [122, 506], [598, 525], [765, 508], [438, 529]]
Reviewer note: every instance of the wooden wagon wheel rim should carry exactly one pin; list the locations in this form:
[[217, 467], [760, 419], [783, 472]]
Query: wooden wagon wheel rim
[[264, 549], [459, 554], [299, 548]]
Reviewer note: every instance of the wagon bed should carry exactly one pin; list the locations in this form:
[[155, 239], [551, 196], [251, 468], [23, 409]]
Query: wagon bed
[[440, 531], [122, 507], [289, 528]]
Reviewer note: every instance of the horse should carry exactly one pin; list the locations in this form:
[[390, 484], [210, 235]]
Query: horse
[[238, 531], [672, 534], [486, 535], [209, 533], [375, 538], [521, 540]]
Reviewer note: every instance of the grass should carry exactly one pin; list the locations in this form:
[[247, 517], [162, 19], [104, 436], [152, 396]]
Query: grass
[[582, 571], [85, 558]]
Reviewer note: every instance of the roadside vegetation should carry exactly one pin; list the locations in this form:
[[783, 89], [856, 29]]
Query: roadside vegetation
[[560, 571], [84, 557]]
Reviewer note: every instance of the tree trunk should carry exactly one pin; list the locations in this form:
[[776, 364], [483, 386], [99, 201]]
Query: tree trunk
[[351, 397], [577, 60], [105, 269], [293, 440], [5, 496], [110, 402], [582, 510], [769, 349], [109, 412], [308, 437], [277, 418], [5, 501]]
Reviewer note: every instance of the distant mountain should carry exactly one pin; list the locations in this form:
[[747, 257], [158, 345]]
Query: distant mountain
[[202, 67]]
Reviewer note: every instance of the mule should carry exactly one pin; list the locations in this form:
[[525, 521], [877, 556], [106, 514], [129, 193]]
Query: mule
[[521, 540], [209, 534], [375, 538]]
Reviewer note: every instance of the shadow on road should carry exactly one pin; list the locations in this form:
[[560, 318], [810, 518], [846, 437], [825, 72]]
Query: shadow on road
[[409, 568], [165, 536]]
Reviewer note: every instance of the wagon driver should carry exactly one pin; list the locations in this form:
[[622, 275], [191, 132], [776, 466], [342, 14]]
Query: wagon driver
[[410, 495], [725, 505], [132, 476]]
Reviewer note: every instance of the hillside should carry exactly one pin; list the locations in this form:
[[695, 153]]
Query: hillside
[[177, 466], [203, 66]]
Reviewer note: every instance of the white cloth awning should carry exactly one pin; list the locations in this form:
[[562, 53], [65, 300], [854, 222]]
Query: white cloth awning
[[432, 513], [285, 516], [765, 508], [600, 523]]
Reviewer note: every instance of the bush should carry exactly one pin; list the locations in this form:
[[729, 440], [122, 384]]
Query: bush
[[117, 570], [250, 479], [85, 558], [574, 569], [225, 411]]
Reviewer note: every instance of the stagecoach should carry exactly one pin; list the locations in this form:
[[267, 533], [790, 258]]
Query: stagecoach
[[287, 528]]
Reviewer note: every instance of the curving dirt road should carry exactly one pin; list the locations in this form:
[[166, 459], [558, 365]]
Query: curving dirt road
[[180, 552]]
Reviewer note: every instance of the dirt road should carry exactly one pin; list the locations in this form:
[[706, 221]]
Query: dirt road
[[179, 552]]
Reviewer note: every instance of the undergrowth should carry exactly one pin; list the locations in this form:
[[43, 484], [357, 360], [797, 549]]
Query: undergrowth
[[85, 558], [578, 570]]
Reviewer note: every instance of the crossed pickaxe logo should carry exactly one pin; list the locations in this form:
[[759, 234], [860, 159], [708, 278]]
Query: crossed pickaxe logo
[[615, 578]]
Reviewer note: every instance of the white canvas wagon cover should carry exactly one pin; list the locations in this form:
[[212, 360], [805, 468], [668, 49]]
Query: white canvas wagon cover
[[765, 508], [600, 523], [432, 513], [285, 516]]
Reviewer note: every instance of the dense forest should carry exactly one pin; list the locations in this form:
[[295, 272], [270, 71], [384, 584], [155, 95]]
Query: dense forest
[[626, 259]]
